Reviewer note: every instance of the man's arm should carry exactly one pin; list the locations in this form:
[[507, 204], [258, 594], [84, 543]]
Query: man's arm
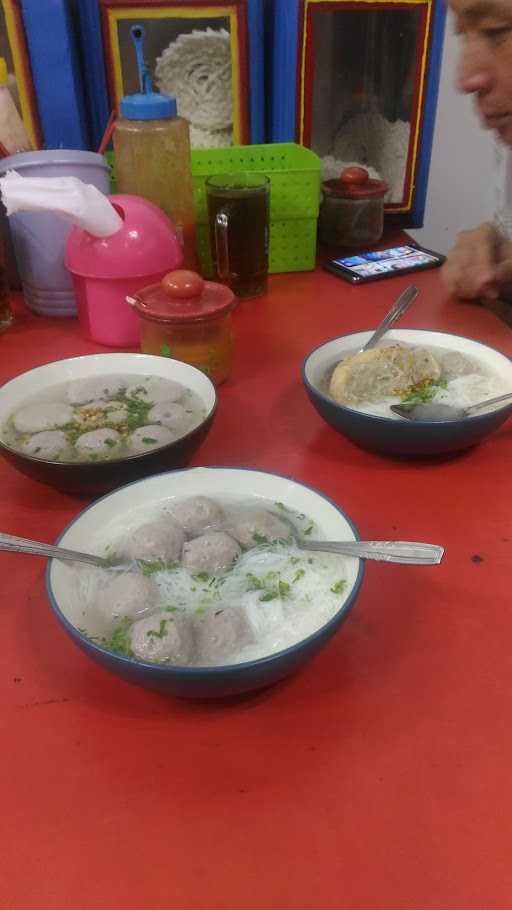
[[480, 264]]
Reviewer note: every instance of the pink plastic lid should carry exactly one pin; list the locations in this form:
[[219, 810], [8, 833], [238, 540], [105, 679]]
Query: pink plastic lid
[[146, 244], [183, 296]]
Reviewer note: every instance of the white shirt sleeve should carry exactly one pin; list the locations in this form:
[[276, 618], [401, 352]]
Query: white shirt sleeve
[[503, 189]]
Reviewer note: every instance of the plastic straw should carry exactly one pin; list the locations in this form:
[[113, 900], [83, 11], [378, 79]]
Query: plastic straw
[[107, 134]]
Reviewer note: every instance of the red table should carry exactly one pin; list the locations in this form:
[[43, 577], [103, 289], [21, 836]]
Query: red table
[[376, 779]]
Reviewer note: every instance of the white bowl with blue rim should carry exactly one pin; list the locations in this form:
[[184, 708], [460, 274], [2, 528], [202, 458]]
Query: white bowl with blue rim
[[127, 506], [99, 476], [395, 436]]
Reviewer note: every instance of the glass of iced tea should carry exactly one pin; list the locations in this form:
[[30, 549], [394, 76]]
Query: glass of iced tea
[[238, 218]]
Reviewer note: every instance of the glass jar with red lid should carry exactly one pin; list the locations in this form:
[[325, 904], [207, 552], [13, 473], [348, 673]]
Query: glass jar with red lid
[[189, 319], [352, 210]]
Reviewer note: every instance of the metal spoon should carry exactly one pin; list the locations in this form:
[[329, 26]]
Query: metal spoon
[[433, 411], [421, 554], [403, 551], [22, 545], [397, 310]]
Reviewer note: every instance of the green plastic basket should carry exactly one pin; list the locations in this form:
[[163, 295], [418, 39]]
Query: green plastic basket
[[294, 173]]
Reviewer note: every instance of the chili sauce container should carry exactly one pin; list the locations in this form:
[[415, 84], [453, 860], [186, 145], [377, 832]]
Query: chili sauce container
[[189, 319], [352, 210]]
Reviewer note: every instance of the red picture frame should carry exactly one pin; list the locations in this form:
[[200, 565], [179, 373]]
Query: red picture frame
[[307, 10]]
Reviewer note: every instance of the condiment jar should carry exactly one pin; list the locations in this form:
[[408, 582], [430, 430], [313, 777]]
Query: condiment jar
[[352, 209], [189, 319]]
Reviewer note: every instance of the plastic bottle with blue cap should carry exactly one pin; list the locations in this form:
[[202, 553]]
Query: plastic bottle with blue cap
[[152, 152]]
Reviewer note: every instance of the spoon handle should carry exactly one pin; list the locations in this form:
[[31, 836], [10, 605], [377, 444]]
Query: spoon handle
[[403, 303], [21, 545], [485, 404], [419, 554]]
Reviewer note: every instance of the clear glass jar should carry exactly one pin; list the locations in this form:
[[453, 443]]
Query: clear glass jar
[[189, 319]]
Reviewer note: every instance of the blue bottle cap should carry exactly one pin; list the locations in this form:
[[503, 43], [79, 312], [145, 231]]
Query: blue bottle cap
[[146, 104]]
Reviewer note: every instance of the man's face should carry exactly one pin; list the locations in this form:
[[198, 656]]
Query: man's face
[[485, 64]]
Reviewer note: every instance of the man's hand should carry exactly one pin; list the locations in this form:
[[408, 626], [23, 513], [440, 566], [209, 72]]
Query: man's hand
[[480, 264]]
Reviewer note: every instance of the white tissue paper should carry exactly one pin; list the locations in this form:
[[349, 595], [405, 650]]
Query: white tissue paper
[[78, 202]]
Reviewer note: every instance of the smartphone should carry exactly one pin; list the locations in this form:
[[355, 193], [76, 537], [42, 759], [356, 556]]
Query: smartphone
[[397, 260]]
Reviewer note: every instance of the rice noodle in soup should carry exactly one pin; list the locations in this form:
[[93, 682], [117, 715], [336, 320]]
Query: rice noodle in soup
[[235, 590]]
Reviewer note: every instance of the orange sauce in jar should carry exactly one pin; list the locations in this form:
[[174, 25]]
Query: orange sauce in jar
[[188, 319]]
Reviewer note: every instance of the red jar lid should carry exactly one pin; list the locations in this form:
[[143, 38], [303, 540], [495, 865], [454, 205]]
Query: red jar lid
[[183, 296], [355, 183]]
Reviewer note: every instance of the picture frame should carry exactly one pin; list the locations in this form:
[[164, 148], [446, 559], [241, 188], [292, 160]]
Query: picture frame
[[295, 29], [16, 53], [111, 73]]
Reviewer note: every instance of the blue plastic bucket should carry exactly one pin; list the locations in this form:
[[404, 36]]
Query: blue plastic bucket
[[39, 239]]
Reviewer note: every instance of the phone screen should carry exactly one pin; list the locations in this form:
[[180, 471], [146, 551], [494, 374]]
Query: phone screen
[[383, 262]]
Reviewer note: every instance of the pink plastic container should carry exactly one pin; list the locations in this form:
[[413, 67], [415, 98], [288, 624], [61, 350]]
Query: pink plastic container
[[106, 270]]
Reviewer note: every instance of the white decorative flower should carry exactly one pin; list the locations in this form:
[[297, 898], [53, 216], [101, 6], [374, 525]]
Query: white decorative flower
[[207, 139], [502, 187], [196, 69]]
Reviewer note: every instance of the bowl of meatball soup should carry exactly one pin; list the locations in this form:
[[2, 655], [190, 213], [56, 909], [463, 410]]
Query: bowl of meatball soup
[[88, 424], [353, 390], [209, 590]]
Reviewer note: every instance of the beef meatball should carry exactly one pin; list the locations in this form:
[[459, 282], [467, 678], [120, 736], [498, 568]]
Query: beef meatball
[[163, 637], [100, 443], [82, 391], [250, 527], [127, 594], [156, 540], [197, 513], [145, 439], [50, 444], [424, 366], [372, 375], [210, 552], [154, 389], [170, 414], [38, 417], [454, 364], [116, 412], [221, 633]]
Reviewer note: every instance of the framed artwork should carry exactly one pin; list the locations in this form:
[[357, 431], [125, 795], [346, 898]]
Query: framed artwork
[[208, 54], [13, 47], [358, 84]]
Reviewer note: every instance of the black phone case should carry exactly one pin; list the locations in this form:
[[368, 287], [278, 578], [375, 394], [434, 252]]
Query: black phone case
[[344, 273]]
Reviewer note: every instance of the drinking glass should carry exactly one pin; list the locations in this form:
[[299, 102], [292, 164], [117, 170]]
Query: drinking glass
[[238, 218]]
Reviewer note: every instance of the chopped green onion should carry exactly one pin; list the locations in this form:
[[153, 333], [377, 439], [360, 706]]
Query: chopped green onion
[[338, 586]]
